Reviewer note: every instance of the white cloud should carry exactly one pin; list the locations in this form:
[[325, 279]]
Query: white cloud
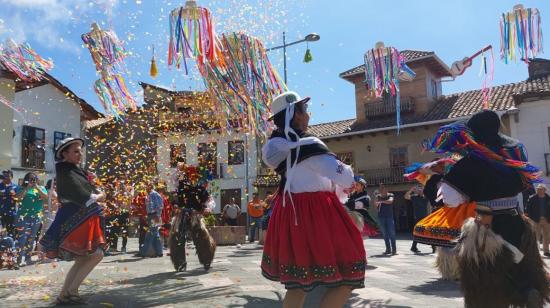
[[49, 20]]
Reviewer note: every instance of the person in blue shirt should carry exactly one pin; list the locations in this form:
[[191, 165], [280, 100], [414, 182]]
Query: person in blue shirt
[[152, 246], [8, 204]]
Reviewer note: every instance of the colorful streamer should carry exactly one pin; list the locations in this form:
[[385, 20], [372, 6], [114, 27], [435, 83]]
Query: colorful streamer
[[520, 34], [382, 69], [23, 61], [4, 101], [458, 138], [488, 72], [108, 54], [243, 81], [192, 36]]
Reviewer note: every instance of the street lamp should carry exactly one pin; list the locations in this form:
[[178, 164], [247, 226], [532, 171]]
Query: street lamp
[[312, 37]]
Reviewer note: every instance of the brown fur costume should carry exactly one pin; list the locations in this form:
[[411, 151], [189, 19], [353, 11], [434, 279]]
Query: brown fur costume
[[447, 263], [176, 243], [205, 246], [490, 278], [204, 243]]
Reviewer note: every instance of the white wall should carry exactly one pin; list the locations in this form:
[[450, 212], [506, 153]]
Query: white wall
[[48, 108], [7, 92], [233, 176], [532, 131]]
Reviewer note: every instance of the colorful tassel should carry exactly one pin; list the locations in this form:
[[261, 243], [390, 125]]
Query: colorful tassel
[[520, 34], [458, 138]]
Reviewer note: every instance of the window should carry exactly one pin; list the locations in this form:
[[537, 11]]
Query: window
[[58, 136], [208, 156], [398, 157], [177, 154], [235, 151], [346, 157], [435, 86], [33, 153]]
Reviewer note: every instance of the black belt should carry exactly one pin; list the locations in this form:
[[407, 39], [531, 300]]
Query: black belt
[[511, 212]]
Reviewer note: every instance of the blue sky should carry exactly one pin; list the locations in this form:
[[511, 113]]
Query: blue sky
[[453, 29]]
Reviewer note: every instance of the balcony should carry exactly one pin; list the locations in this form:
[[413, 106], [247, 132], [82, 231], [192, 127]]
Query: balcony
[[33, 158], [387, 107], [390, 175]]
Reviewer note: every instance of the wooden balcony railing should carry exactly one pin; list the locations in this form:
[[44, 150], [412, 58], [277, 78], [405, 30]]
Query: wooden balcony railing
[[33, 158], [388, 107], [390, 175]]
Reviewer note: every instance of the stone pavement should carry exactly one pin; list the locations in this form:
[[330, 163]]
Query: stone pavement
[[405, 280]]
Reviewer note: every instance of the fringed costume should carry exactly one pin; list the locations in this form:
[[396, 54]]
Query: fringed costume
[[498, 257], [192, 198]]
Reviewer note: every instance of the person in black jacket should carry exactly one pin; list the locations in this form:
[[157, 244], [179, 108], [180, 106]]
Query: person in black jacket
[[538, 209], [498, 257], [77, 231]]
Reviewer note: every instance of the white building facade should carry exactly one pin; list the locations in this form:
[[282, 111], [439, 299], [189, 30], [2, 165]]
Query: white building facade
[[235, 157], [50, 113]]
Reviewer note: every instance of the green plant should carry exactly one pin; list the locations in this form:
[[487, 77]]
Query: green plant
[[210, 220]]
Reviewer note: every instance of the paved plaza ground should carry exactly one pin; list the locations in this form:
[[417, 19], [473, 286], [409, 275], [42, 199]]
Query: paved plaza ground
[[405, 280]]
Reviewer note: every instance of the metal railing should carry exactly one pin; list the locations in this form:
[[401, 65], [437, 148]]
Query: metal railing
[[33, 158], [390, 175], [388, 107]]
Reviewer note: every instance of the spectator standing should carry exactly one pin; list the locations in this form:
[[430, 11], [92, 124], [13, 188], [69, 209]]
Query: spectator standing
[[154, 205], [139, 213], [8, 204], [255, 210], [167, 210], [124, 194], [420, 209], [231, 212], [32, 198], [538, 209], [384, 203], [51, 208]]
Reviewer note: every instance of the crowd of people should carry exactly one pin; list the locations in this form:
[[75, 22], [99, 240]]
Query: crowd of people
[[315, 222]]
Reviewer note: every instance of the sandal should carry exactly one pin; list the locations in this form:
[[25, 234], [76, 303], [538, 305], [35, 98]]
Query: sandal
[[70, 300]]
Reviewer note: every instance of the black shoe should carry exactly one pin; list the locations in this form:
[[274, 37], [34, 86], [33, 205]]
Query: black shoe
[[387, 252], [393, 253], [547, 254], [415, 250]]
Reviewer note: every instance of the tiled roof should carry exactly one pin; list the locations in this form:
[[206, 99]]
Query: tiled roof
[[447, 107], [409, 55], [97, 122], [330, 128]]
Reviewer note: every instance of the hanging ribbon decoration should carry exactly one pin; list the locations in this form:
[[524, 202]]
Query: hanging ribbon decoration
[[243, 82], [23, 61], [383, 66], [108, 54], [487, 70], [520, 34], [192, 36]]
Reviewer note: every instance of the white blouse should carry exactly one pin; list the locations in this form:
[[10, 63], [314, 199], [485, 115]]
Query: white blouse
[[317, 173]]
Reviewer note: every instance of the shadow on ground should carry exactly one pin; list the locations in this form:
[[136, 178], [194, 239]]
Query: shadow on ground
[[158, 289], [438, 287]]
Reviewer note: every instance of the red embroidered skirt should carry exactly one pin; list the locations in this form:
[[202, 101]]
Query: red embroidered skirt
[[85, 238], [324, 248]]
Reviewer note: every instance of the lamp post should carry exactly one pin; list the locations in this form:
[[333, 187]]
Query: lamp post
[[312, 37]]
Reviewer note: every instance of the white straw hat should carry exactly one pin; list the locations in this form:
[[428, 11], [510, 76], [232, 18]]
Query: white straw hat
[[283, 100], [65, 143]]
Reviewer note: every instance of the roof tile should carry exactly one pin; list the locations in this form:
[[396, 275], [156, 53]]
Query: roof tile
[[447, 107]]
